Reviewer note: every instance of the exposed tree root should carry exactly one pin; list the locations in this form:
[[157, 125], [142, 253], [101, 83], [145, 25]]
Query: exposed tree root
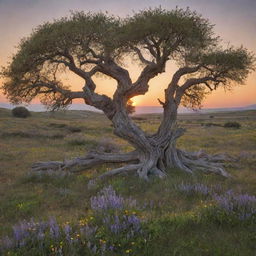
[[121, 170], [81, 163], [188, 162]]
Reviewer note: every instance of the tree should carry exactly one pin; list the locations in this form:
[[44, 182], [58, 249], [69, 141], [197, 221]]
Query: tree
[[90, 44]]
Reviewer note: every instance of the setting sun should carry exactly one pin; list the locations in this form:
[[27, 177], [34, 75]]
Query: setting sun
[[134, 103]]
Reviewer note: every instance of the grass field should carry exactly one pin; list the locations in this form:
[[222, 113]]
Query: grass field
[[177, 218]]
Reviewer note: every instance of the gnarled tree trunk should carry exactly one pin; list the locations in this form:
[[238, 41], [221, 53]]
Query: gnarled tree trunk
[[153, 155]]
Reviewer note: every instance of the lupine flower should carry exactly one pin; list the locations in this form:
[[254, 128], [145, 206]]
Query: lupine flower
[[108, 199], [54, 228], [243, 205], [67, 231]]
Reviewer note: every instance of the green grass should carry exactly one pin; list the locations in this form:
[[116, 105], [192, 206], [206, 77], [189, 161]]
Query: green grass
[[47, 136]]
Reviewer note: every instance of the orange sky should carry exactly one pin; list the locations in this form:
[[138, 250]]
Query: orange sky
[[235, 22]]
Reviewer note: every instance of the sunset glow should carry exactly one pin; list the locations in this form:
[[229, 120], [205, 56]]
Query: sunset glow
[[231, 18]]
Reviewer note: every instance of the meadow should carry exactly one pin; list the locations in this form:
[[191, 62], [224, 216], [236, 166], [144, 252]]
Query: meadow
[[203, 214]]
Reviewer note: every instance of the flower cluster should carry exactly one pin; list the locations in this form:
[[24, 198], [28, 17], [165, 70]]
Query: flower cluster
[[117, 224], [241, 205], [108, 199], [223, 207], [113, 228], [116, 218], [29, 231]]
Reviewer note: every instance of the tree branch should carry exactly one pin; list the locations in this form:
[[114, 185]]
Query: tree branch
[[141, 57], [193, 81]]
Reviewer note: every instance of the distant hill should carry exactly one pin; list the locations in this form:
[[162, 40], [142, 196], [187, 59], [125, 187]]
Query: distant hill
[[250, 107], [183, 110], [139, 109]]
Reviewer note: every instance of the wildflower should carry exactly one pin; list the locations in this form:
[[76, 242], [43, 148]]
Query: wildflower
[[54, 228], [243, 206], [108, 199]]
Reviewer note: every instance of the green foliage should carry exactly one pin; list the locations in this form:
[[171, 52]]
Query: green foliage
[[194, 96], [184, 28], [20, 112]]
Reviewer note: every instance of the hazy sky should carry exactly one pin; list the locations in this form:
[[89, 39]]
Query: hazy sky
[[235, 23]]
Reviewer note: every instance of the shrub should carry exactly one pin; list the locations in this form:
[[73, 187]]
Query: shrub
[[20, 112], [57, 125], [74, 129], [232, 125], [139, 118], [211, 124]]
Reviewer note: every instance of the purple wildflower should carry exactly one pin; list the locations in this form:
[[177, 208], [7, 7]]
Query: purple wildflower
[[21, 232], [243, 205], [54, 228], [108, 199], [67, 231]]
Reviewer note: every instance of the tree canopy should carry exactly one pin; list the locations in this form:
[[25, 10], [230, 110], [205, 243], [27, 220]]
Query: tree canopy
[[97, 43], [89, 44]]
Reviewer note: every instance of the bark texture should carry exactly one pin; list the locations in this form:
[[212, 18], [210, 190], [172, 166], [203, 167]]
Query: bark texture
[[154, 155]]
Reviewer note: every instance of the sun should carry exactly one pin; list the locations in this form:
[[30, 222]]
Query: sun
[[134, 103]]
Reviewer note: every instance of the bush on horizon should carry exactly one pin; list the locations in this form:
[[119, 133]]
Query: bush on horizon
[[20, 112]]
